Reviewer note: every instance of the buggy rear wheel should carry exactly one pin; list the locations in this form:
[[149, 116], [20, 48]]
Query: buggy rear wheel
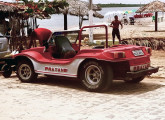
[[96, 77]]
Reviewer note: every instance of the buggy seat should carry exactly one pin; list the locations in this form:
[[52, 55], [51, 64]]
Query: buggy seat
[[64, 47]]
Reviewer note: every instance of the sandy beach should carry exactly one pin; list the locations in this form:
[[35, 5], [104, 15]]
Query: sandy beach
[[50, 97], [143, 27], [53, 99]]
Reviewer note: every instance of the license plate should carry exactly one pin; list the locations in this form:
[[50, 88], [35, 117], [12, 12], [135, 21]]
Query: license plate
[[138, 52]]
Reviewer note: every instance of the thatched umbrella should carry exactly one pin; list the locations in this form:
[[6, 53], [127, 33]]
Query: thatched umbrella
[[11, 7], [155, 6], [7, 9], [79, 8]]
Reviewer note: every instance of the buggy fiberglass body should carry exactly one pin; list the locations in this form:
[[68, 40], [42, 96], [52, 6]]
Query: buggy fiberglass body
[[96, 67]]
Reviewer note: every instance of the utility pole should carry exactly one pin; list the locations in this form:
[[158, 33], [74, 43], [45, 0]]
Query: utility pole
[[90, 21]]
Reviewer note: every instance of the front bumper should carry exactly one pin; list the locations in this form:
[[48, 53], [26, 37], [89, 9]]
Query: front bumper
[[140, 73]]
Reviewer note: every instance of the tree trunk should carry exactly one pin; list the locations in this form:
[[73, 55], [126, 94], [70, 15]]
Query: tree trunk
[[156, 21]]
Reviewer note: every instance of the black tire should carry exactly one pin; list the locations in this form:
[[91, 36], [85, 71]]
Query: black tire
[[135, 80], [25, 72], [96, 76], [7, 70]]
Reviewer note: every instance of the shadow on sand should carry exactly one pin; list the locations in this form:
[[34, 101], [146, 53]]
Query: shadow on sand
[[155, 31], [117, 88], [123, 88]]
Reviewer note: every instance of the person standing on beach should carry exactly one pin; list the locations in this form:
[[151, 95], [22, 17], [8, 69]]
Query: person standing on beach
[[115, 31]]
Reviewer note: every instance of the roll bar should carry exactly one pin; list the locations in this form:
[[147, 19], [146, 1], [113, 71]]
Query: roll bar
[[93, 26]]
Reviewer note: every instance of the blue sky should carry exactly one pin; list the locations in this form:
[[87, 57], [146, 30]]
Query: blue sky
[[111, 1]]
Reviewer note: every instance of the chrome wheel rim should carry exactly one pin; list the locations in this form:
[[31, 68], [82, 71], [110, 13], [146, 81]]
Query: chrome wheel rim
[[25, 71], [93, 75]]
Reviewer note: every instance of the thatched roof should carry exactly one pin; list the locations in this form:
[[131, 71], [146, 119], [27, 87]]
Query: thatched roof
[[155, 6], [11, 7], [80, 8], [76, 7]]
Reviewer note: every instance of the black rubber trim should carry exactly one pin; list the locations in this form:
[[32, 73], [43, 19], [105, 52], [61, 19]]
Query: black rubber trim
[[148, 71]]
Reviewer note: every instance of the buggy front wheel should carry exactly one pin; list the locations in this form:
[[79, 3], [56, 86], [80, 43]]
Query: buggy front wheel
[[25, 72]]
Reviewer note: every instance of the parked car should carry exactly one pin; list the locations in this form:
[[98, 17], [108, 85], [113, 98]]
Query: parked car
[[5, 58], [4, 46], [96, 68]]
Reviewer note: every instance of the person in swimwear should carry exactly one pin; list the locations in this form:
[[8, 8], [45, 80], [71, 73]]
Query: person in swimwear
[[115, 31]]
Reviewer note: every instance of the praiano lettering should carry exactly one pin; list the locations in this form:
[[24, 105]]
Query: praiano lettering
[[55, 69]]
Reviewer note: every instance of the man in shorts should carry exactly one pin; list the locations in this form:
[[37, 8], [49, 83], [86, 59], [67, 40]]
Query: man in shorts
[[115, 25]]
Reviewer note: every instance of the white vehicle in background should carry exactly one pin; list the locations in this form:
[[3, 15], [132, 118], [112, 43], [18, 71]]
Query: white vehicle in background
[[6, 60], [4, 46]]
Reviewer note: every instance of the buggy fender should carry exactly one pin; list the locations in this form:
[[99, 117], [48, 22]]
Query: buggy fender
[[53, 67], [67, 70], [32, 55]]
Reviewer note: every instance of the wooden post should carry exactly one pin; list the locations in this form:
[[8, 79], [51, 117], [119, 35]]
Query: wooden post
[[65, 22], [156, 21], [36, 26], [80, 21], [90, 4], [90, 21]]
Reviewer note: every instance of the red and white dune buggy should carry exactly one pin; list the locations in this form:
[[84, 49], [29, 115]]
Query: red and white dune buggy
[[96, 68]]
